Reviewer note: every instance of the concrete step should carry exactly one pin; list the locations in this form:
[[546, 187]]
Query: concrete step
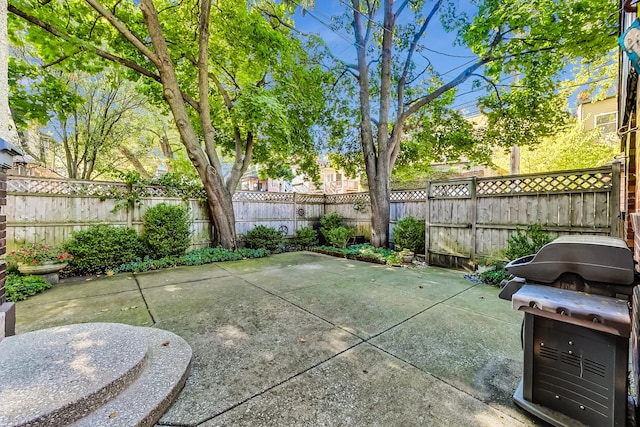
[[90, 374]]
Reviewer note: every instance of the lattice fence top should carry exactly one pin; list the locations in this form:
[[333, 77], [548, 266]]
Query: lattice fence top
[[459, 190], [335, 199], [551, 183], [408, 195], [262, 196], [64, 187], [310, 198], [559, 182]]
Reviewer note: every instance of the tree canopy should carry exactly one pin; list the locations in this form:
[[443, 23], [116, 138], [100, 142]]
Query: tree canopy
[[393, 96], [234, 79]]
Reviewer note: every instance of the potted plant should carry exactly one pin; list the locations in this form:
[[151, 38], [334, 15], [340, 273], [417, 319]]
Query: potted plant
[[407, 256], [39, 259]]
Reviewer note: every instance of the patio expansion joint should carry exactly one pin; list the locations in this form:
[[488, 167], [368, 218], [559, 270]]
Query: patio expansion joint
[[146, 304], [266, 390]]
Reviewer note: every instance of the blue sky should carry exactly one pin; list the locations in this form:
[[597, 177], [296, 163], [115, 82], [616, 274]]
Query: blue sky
[[447, 58]]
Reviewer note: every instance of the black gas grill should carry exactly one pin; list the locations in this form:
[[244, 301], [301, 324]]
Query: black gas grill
[[576, 293]]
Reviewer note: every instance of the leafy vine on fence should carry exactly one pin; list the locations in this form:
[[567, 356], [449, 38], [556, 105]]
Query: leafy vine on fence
[[170, 185]]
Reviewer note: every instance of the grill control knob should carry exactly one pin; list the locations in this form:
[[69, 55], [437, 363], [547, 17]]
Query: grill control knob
[[582, 407], [570, 352], [570, 342], [557, 397]]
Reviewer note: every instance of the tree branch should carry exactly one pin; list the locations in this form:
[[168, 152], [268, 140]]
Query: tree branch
[[122, 29], [98, 52], [412, 48], [208, 132]]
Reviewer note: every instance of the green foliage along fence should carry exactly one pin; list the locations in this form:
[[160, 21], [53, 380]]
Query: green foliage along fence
[[465, 219]]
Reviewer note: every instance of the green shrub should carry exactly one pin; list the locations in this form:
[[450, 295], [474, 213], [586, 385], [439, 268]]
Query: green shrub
[[102, 247], [19, 288], [528, 242], [262, 237], [330, 221], [409, 233], [166, 230], [339, 237], [305, 238], [494, 277]]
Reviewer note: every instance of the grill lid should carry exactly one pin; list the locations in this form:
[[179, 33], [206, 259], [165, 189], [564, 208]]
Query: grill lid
[[594, 258]]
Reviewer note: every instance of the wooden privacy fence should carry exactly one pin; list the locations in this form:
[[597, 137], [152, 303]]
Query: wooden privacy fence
[[50, 210], [465, 219], [473, 218]]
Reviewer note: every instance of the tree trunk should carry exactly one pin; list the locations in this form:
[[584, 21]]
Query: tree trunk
[[380, 193]]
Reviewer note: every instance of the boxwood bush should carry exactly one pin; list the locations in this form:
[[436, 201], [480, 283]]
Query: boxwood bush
[[166, 230], [305, 238], [409, 234], [101, 248], [262, 237]]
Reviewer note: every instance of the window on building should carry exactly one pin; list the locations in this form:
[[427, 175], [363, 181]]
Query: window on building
[[607, 122]]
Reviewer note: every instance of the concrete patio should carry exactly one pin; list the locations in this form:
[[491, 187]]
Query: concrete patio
[[306, 339]]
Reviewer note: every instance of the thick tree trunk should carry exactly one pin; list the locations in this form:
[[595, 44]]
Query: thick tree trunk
[[380, 211], [220, 202]]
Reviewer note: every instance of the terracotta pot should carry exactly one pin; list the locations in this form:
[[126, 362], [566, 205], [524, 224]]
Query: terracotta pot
[[47, 268]]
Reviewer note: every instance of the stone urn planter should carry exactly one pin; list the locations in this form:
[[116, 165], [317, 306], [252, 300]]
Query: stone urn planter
[[49, 270], [407, 257]]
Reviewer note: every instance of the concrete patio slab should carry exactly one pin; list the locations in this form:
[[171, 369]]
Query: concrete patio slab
[[482, 299], [474, 353], [122, 307], [176, 276], [298, 277], [79, 287], [279, 341], [364, 387], [244, 348], [364, 309], [189, 298]]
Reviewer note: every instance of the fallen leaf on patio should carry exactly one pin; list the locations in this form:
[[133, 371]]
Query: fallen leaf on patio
[[373, 280], [302, 341], [124, 309], [113, 415], [133, 306], [420, 286], [86, 280], [480, 297], [110, 273], [165, 344], [104, 310]]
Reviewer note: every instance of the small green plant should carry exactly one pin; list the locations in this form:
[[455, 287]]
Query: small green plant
[[394, 258], [528, 242], [409, 233], [494, 277], [101, 248], [305, 238], [19, 288], [262, 237], [166, 230], [339, 237]]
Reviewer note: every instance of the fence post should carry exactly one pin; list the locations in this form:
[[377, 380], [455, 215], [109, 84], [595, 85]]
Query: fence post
[[130, 205], [427, 225], [295, 212], [473, 213], [614, 201]]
